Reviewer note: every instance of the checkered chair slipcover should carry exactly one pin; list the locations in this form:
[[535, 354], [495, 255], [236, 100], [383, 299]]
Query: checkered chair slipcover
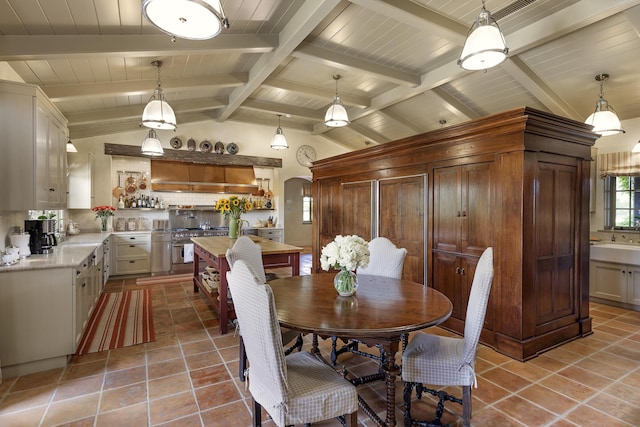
[[294, 389], [385, 259], [245, 249], [449, 361]]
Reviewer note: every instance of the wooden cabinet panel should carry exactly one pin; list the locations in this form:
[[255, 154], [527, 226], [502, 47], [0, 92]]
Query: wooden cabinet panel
[[401, 220], [357, 206], [446, 208], [329, 209]]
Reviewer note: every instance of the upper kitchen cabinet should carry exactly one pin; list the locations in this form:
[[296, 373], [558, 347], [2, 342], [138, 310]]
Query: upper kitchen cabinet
[[33, 140], [516, 181], [81, 183]]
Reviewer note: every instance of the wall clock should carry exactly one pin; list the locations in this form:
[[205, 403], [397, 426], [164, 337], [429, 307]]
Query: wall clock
[[306, 155]]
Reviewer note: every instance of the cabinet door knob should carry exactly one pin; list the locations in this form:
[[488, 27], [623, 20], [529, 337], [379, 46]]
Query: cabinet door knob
[[132, 246], [464, 213], [52, 189], [458, 215], [132, 262], [462, 271], [457, 270]]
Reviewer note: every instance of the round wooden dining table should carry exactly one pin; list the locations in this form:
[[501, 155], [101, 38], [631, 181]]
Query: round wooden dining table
[[380, 313]]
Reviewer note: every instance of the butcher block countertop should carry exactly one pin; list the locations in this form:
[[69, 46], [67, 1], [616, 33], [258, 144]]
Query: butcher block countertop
[[218, 245]]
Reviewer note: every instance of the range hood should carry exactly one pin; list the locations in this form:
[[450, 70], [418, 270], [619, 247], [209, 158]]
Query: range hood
[[167, 175]]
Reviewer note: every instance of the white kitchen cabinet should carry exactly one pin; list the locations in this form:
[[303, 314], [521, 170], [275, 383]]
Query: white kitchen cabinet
[[131, 253], [36, 314], [80, 181], [33, 141], [275, 234], [615, 282]]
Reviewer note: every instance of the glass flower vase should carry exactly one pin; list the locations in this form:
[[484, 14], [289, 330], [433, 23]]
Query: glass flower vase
[[346, 282], [103, 223]]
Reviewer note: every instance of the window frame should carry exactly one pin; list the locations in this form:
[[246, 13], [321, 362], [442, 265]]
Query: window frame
[[610, 206]]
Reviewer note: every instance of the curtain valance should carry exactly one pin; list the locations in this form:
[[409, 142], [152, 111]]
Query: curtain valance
[[619, 164]]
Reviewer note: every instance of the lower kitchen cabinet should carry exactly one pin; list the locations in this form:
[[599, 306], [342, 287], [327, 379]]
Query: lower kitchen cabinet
[[36, 314], [615, 282], [131, 254], [275, 234]]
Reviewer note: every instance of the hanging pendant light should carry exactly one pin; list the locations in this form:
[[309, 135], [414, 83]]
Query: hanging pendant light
[[336, 114], [151, 146], [636, 148], [71, 148], [158, 114], [604, 119], [485, 46], [279, 142], [186, 19]]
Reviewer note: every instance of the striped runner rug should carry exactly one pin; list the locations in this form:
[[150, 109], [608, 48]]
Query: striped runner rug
[[120, 319]]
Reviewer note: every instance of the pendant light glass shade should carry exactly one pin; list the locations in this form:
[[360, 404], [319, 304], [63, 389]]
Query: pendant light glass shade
[[336, 115], [604, 119], [636, 148], [279, 142], [186, 19], [71, 148], [485, 46], [151, 146], [158, 114]]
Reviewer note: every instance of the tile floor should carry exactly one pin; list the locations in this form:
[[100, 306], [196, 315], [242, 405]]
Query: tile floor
[[188, 377]]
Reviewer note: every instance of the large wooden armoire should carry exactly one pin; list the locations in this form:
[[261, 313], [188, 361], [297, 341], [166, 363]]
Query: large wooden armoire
[[516, 181]]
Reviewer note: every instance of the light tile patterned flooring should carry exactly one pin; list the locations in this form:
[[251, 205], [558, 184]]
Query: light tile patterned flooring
[[188, 377]]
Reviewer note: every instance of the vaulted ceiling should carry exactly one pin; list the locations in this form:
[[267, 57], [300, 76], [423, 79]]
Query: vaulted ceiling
[[396, 58]]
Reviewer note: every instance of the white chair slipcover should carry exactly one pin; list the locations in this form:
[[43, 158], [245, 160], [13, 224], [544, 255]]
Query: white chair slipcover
[[449, 361], [385, 259], [294, 389], [244, 248]]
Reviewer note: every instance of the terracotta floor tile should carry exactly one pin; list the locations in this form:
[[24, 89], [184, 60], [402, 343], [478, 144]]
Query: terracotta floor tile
[[491, 417], [236, 414], [202, 360], [211, 396], [548, 399], [117, 398], [69, 410], [189, 336], [604, 366], [125, 377], [585, 416], [37, 380], [231, 353], [616, 408], [563, 355], [196, 347], [585, 377], [166, 368], [27, 418], [172, 407], [612, 330], [506, 379], [192, 420], [163, 354], [525, 370], [134, 415], [84, 370], [125, 361], [164, 341], [545, 362], [228, 340], [489, 392], [567, 387], [627, 349], [79, 387], [166, 386], [525, 411], [209, 375], [632, 379], [26, 399]]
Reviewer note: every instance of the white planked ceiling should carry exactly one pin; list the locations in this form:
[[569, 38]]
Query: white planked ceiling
[[396, 58]]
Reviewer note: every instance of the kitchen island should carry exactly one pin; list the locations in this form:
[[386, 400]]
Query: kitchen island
[[212, 250]]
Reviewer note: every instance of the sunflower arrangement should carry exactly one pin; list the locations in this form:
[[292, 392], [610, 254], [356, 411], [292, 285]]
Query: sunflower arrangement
[[234, 206]]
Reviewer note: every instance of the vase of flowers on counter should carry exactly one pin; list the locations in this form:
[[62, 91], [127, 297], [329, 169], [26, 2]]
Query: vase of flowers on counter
[[103, 213], [345, 253], [233, 208]]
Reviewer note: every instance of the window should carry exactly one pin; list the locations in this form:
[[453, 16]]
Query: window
[[622, 201], [307, 209]]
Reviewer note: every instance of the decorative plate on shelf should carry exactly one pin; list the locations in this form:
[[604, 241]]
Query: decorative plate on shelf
[[232, 148], [219, 147], [175, 142], [205, 146], [191, 144]]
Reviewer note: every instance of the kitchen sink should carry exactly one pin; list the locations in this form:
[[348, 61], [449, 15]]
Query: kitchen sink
[[616, 252]]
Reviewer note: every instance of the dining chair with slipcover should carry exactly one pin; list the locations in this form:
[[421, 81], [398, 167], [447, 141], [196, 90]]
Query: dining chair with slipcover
[[244, 248], [295, 389], [448, 361], [385, 259]]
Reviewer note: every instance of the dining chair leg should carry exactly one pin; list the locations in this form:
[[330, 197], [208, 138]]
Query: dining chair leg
[[352, 419], [257, 414], [466, 405], [242, 360]]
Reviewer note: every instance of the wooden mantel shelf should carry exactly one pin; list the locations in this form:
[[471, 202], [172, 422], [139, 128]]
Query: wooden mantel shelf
[[195, 156]]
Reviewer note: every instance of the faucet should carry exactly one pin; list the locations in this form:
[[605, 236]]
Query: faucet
[[613, 234]]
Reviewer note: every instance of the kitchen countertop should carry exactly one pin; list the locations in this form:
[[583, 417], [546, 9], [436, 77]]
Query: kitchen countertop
[[69, 253]]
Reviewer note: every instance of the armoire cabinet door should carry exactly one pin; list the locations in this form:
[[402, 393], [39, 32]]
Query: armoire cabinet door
[[329, 210], [401, 220], [357, 206]]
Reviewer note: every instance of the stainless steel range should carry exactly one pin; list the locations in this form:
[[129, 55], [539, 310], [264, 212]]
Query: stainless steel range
[[182, 260]]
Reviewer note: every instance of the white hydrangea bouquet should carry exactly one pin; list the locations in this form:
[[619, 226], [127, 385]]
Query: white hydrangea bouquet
[[345, 253]]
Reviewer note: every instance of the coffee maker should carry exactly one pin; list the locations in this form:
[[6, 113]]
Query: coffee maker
[[42, 235]]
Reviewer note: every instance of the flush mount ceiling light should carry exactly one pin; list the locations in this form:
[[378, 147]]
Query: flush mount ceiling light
[[336, 114], [279, 142], [186, 19], [604, 119], [158, 114], [70, 147], [485, 46], [151, 146]]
